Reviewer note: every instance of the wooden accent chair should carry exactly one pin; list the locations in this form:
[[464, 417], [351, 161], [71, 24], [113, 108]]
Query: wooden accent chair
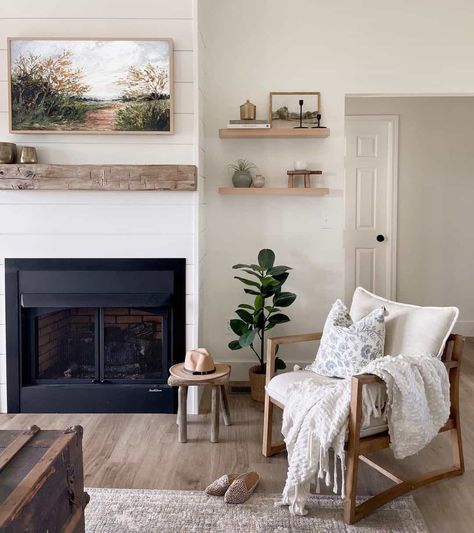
[[358, 445]]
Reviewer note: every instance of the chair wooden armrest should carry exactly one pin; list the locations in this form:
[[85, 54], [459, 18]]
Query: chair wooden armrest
[[274, 342], [365, 379]]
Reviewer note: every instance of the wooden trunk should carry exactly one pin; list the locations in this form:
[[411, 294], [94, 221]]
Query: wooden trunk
[[42, 481]]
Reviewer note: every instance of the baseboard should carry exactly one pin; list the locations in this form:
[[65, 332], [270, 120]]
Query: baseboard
[[464, 327]]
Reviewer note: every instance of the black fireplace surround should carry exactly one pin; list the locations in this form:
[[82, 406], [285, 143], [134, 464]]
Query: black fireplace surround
[[93, 335]]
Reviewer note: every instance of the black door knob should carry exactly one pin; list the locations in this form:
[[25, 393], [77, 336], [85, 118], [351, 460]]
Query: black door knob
[[380, 238]]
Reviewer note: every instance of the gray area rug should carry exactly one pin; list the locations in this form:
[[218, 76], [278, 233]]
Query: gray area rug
[[172, 511]]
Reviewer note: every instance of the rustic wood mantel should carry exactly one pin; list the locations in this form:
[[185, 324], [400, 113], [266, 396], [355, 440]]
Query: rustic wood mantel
[[99, 177]]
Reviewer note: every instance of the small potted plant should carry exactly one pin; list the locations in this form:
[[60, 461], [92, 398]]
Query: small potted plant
[[264, 282], [242, 176]]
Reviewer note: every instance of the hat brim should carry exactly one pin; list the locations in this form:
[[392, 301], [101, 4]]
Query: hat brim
[[179, 372]]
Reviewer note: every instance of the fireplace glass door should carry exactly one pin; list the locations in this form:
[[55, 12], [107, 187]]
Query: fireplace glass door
[[98, 345], [133, 344], [65, 344]]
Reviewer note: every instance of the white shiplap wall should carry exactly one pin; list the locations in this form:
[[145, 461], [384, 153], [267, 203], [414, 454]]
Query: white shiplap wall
[[106, 224]]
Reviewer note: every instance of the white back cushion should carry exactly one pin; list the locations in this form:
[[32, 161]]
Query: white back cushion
[[409, 329]]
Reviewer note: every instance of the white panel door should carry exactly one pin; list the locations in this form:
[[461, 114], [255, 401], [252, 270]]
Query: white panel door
[[370, 204]]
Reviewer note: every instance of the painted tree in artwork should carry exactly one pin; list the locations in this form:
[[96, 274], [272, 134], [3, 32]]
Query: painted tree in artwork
[[44, 88], [146, 90], [148, 82]]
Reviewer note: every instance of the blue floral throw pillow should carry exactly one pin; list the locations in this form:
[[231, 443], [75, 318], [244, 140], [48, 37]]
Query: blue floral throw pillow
[[347, 347]]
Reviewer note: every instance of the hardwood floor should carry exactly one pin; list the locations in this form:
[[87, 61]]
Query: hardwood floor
[[141, 451]]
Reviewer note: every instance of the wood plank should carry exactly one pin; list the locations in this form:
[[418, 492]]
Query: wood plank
[[274, 191], [273, 133], [34, 480], [161, 246], [181, 30], [17, 219], [99, 177], [105, 9], [12, 449]]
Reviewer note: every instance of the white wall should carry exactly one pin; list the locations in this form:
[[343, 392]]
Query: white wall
[[336, 48], [106, 224], [436, 188]]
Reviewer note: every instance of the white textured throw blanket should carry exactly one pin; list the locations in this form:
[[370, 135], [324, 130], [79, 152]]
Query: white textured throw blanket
[[315, 420]]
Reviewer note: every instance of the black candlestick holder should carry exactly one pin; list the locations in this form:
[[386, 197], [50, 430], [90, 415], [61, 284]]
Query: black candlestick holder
[[318, 118], [301, 102]]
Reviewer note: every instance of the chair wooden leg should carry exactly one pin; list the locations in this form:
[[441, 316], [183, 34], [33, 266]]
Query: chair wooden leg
[[352, 464], [268, 448], [267, 427]]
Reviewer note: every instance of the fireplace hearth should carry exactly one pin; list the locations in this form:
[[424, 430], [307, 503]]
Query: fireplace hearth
[[93, 335]]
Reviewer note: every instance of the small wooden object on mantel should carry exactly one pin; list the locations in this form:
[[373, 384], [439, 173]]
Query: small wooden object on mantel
[[42, 480], [305, 173]]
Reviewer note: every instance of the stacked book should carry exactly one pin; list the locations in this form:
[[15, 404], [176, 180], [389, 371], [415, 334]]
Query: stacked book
[[248, 124]]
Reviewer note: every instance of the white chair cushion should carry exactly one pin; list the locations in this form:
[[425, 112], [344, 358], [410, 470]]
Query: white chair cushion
[[409, 329], [278, 389]]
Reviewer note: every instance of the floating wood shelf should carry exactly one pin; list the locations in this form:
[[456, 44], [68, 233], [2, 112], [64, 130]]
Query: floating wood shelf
[[272, 133], [275, 191], [99, 177]]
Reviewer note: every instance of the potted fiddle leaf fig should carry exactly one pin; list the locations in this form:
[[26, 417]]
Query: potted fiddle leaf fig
[[263, 282]]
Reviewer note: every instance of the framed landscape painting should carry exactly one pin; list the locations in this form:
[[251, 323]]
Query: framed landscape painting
[[285, 109], [115, 86]]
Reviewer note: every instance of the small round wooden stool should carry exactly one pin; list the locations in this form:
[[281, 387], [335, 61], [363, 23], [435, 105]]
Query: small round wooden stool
[[218, 395]]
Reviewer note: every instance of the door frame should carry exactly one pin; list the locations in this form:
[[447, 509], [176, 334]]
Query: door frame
[[392, 188]]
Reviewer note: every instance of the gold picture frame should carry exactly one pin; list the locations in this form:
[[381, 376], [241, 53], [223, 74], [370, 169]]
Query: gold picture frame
[[284, 109], [116, 104]]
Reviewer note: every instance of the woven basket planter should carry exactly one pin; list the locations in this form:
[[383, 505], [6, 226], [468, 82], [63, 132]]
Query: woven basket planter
[[257, 384]]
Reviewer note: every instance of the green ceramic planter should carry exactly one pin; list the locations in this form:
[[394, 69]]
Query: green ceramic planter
[[241, 179]]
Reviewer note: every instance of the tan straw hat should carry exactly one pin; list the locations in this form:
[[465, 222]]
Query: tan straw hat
[[198, 366]]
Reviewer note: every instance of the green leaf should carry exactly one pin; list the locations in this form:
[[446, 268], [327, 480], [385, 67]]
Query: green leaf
[[245, 316], [279, 364], [275, 271], [247, 338], [239, 327], [245, 306], [253, 273], [241, 265], [258, 268], [268, 281], [266, 258], [271, 290], [250, 291], [269, 326], [259, 301], [271, 309], [284, 299], [281, 277], [234, 345], [279, 318], [248, 282]]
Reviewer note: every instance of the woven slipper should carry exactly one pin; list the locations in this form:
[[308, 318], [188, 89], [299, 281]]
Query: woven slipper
[[219, 486], [242, 488]]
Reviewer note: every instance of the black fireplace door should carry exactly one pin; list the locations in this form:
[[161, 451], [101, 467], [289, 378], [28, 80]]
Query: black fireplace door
[[96, 345]]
